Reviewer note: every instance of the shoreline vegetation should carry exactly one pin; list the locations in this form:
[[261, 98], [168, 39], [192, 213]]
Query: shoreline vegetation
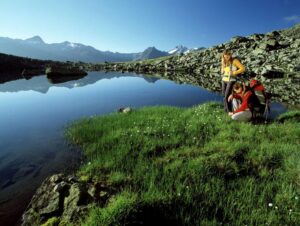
[[182, 166]]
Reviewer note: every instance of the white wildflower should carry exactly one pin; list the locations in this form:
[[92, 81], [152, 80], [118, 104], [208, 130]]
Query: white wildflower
[[270, 204]]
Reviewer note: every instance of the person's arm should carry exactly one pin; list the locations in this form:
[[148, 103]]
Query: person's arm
[[240, 67], [244, 104]]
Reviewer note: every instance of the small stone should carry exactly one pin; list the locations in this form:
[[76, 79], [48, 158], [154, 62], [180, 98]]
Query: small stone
[[125, 110], [103, 194]]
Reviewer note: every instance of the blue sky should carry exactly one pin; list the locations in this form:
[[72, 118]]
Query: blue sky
[[133, 25]]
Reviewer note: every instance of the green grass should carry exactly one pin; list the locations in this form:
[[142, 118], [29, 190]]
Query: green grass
[[192, 166]]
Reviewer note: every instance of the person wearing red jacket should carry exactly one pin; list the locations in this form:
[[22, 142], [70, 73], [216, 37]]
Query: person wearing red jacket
[[240, 103]]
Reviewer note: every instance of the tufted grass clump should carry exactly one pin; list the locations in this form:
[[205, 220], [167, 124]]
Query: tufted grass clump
[[192, 166]]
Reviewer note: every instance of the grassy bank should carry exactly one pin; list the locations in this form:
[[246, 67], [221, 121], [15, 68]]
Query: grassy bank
[[192, 167]]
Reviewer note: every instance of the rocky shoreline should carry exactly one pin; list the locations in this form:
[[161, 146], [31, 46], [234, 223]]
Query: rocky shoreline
[[14, 67], [65, 198], [275, 56]]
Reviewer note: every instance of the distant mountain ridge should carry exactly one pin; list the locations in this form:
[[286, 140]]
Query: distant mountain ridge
[[151, 53], [36, 48]]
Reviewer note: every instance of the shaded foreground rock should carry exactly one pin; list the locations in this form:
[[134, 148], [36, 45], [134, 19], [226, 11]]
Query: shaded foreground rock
[[65, 199]]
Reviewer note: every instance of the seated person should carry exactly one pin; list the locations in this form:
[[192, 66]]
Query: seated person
[[240, 103]]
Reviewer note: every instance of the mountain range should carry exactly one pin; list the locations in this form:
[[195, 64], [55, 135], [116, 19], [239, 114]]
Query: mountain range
[[182, 50], [36, 48]]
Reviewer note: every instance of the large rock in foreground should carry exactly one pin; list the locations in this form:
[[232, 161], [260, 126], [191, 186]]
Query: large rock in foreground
[[64, 198]]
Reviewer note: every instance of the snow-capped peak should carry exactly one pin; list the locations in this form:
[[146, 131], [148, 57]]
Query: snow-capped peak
[[178, 50], [73, 45], [193, 50]]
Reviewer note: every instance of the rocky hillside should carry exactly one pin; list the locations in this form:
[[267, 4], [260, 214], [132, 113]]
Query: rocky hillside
[[275, 56]]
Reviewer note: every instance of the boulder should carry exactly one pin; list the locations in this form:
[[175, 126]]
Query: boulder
[[256, 37], [272, 74], [258, 51], [296, 44], [238, 39], [273, 34], [58, 71], [64, 198]]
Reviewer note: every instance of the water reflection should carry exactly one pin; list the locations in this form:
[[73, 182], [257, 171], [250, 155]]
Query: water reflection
[[42, 84], [63, 79]]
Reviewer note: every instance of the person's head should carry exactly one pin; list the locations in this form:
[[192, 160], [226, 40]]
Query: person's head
[[238, 88], [227, 57]]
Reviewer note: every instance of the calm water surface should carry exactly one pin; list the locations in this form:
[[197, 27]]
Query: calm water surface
[[35, 112]]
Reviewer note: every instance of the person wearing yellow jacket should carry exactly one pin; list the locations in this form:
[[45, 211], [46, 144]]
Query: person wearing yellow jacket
[[230, 69]]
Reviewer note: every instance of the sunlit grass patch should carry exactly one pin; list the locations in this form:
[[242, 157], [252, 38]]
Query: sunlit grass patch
[[192, 166]]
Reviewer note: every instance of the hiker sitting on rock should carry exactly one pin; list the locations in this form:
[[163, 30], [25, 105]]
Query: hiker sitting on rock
[[241, 98], [230, 68]]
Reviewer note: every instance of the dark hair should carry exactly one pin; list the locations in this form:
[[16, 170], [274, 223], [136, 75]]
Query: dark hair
[[242, 85], [237, 85]]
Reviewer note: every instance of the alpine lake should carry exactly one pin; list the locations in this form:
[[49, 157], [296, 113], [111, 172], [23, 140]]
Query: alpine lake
[[35, 112]]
